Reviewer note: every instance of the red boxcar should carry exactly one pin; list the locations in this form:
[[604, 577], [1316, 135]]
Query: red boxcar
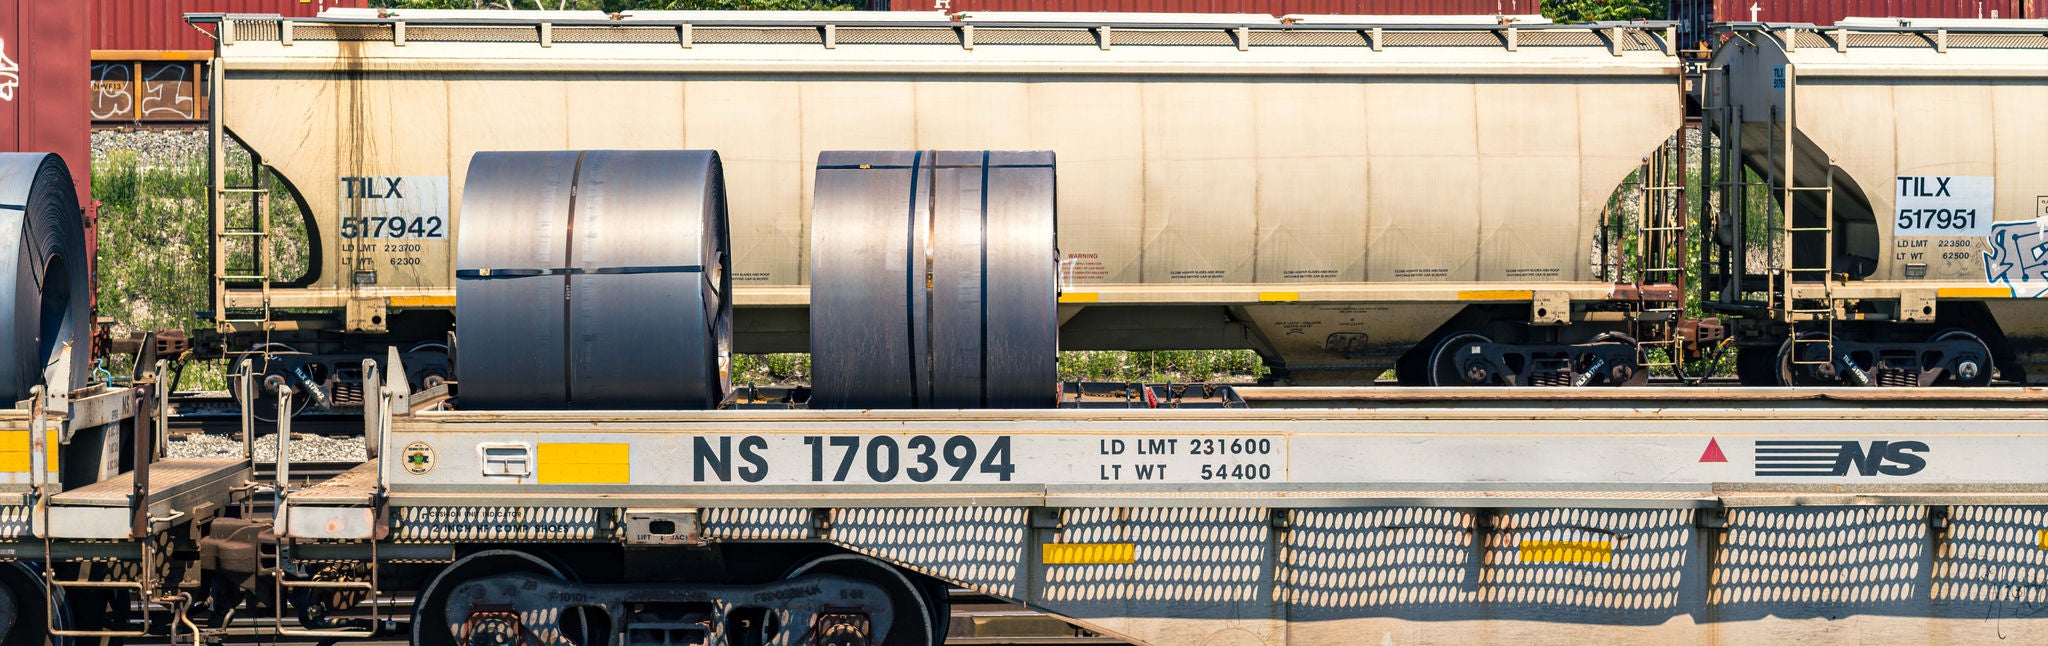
[[1274, 7], [43, 83], [159, 25], [1696, 16]]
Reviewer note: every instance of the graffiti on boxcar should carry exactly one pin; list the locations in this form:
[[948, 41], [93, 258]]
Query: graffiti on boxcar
[[146, 91], [165, 90], [10, 74], [111, 96], [2019, 257]]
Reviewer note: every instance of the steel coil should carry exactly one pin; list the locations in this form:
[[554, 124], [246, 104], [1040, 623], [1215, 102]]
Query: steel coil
[[593, 279], [45, 312], [932, 280]]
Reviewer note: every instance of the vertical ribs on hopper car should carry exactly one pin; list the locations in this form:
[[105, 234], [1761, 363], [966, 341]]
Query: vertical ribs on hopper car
[[1341, 195]]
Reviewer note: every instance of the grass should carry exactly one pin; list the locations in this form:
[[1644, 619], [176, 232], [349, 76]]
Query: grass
[[1162, 365], [153, 252]]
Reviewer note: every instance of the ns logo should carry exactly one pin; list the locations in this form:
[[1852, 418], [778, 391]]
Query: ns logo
[[1830, 458]]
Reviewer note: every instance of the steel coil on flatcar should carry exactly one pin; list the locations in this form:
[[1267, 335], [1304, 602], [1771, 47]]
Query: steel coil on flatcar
[[45, 311], [933, 280], [594, 279]]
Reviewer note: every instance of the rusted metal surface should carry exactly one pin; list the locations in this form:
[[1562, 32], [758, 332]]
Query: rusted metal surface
[[160, 25], [1657, 292], [1695, 16], [1273, 7], [148, 86]]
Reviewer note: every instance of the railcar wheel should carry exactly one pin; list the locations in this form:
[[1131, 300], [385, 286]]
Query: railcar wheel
[[429, 611], [914, 610], [28, 619], [265, 406], [1974, 367], [1453, 363], [1807, 370], [1609, 373]]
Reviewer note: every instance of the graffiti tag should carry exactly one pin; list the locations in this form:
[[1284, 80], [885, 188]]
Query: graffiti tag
[[10, 74], [110, 95], [165, 90], [2019, 257], [144, 91]]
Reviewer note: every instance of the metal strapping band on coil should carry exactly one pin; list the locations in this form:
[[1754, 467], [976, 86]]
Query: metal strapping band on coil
[[45, 311], [495, 274], [623, 271], [932, 280]]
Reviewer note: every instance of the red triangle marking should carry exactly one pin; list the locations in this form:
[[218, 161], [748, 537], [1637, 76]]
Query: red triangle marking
[[1713, 452]]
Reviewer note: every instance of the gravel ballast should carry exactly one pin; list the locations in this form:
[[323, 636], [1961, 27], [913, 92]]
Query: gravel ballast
[[305, 448]]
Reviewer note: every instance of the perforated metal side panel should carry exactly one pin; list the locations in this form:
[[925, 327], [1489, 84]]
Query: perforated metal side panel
[[979, 547], [14, 522], [520, 524], [1994, 556], [1863, 557], [1420, 562], [763, 524], [1215, 555]]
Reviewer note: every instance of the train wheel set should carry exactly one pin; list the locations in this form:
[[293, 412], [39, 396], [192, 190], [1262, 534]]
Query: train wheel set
[[557, 453]]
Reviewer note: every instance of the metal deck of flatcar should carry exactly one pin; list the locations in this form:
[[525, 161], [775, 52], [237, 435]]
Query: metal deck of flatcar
[[1636, 514]]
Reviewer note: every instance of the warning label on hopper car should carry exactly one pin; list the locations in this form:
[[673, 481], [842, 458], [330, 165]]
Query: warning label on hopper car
[[1942, 205]]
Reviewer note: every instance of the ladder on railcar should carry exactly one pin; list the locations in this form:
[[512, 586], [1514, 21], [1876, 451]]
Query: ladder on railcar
[[1809, 317], [1661, 231], [233, 271]]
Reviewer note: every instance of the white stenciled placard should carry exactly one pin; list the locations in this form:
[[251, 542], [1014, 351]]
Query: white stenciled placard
[[1942, 205]]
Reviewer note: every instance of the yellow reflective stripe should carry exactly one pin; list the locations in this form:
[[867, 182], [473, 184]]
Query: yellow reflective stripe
[[1496, 295], [1080, 297], [1567, 551], [422, 301], [1279, 297], [1973, 292], [583, 463], [1089, 553], [14, 453], [2042, 538]]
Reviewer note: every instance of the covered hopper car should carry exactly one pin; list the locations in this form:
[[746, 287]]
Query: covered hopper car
[[1910, 158], [1343, 196]]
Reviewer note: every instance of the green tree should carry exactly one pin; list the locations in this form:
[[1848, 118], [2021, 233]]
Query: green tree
[[1573, 11]]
